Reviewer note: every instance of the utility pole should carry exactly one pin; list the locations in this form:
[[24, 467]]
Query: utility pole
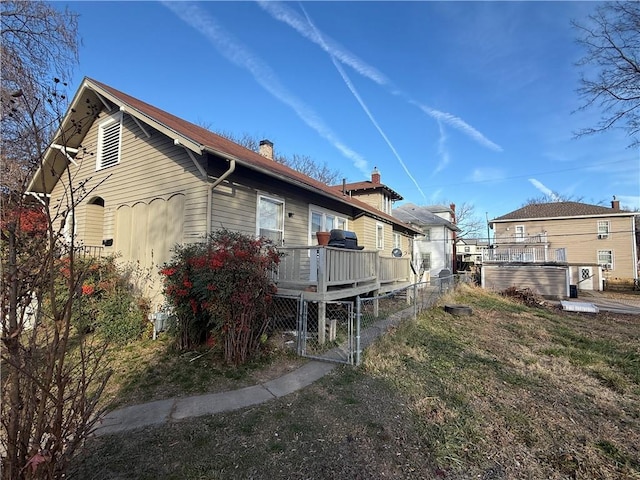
[[486, 214]]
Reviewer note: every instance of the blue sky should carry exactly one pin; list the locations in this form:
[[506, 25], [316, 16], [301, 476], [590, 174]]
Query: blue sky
[[451, 101]]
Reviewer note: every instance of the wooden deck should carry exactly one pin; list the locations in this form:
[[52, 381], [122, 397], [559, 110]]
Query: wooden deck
[[323, 274], [327, 273]]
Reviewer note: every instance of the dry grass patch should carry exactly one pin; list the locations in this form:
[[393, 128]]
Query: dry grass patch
[[510, 392], [151, 370]]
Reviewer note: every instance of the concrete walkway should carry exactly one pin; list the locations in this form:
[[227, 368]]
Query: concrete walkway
[[173, 409]]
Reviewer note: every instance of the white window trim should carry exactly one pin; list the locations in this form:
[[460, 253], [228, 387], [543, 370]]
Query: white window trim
[[116, 118], [519, 238], [324, 212], [602, 234], [608, 266], [379, 236], [397, 240], [274, 199]]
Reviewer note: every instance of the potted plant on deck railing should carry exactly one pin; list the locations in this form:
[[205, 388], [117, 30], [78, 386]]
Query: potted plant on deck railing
[[323, 238]]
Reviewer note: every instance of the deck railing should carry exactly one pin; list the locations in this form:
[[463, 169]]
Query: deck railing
[[525, 254], [321, 267], [521, 238], [393, 269]]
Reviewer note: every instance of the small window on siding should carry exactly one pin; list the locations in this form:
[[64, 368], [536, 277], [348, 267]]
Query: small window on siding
[[396, 241], [605, 259], [109, 142], [427, 234], [379, 236], [603, 229], [425, 262], [270, 219]]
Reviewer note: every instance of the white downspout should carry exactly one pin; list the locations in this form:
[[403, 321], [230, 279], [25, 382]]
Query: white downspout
[[218, 181]]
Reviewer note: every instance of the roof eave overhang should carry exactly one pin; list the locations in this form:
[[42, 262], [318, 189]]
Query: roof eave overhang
[[565, 217], [312, 188]]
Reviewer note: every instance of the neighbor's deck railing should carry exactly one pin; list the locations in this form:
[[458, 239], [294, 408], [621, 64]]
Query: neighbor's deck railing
[[322, 267], [527, 255], [519, 238]]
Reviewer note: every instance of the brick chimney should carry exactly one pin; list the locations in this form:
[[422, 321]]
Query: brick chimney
[[615, 204], [266, 149], [375, 176]]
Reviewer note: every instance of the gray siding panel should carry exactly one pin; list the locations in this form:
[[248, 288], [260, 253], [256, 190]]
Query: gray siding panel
[[545, 280]]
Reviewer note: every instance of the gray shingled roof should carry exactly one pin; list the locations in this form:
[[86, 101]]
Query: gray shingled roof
[[420, 215], [558, 209]]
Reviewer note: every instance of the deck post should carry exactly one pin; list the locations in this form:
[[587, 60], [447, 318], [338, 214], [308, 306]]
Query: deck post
[[322, 322], [322, 288], [376, 304]]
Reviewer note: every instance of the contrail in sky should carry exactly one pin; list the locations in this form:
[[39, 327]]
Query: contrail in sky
[[442, 150], [233, 51], [355, 93], [460, 124], [547, 191], [284, 14]]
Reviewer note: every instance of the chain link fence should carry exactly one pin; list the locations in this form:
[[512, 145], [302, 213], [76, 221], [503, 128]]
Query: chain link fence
[[339, 331]]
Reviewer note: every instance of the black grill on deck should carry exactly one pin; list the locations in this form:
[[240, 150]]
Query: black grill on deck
[[344, 239]]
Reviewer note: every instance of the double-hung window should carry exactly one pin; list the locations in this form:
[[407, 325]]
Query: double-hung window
[[109, 141], [396, 241], [270, 219], [603, 229], [323, 220], [605, 259], [379, 236]]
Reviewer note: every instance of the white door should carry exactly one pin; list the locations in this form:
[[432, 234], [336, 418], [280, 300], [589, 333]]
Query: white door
[[585, 282]]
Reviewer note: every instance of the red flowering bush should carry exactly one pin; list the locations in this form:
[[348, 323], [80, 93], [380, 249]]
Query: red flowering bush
[[108, 304], [222, 287]]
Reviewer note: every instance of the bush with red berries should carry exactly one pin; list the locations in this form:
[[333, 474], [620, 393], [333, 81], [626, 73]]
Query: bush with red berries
[[221, 291]]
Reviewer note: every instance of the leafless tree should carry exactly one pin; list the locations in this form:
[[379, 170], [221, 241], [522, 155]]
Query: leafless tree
[[39, 42], [469, 223], [311, 168], [554, 197], [610, 77], [301, 163], [53, 376]]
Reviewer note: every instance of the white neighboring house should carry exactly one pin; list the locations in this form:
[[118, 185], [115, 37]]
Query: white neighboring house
[[469, 252], [434, 250]]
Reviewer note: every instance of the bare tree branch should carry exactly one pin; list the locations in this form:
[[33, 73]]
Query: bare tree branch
[[610, 77]]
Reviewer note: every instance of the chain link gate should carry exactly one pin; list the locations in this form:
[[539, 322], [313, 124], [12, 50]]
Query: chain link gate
[[338, 342]]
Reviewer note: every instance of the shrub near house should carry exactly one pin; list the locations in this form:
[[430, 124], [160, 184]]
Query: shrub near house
[[222, 288]]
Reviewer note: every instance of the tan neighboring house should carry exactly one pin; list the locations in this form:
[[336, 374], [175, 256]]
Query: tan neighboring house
[[577, 243], [150, 180], [381, 197]]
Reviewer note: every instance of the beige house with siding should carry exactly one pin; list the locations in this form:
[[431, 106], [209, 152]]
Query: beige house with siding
[[595, 242], [144, 180]]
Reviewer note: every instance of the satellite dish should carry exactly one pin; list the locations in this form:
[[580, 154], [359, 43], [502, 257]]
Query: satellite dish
[[396, 252]]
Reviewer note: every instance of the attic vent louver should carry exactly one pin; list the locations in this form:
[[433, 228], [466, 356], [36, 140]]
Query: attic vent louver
[[109, 142]]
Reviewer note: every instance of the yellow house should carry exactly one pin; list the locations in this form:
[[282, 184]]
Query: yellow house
[[596, 242]]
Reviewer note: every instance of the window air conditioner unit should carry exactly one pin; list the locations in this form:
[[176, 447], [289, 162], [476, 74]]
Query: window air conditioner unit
[[602, 236]]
